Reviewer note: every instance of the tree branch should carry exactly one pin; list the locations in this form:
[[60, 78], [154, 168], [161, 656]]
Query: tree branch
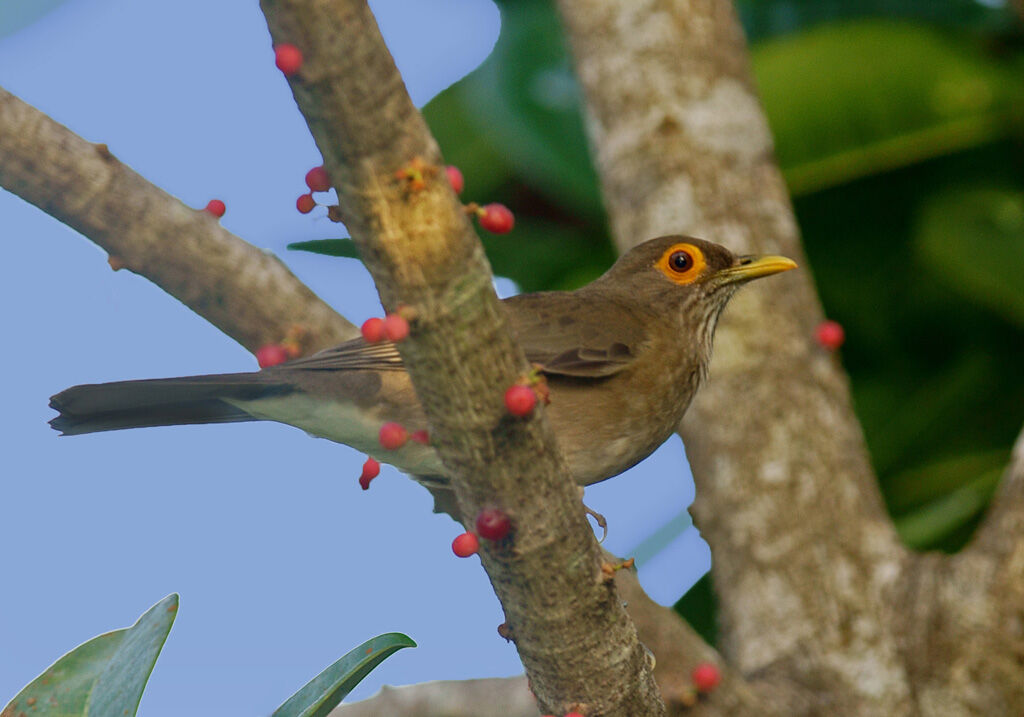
[[576, 642], [183, 251], [965, 613], [785, 493], [498, 697]]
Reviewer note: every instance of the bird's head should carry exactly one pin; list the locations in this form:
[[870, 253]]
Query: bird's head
[[687, 282], [681, 270]]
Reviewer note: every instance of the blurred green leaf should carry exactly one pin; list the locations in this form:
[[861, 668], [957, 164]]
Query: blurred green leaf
[[344, 248], [765, 18], [525, 101], [923, 528], [484, 168], [537, 255], [323, 693], [974, 240], [699, 607], [862, 97], [924, 484], [104, 676]]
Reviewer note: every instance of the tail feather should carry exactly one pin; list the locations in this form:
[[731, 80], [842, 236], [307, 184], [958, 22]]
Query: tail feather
[[158, 402]]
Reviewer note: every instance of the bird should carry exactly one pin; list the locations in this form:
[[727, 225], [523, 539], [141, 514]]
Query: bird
[[622, 358]]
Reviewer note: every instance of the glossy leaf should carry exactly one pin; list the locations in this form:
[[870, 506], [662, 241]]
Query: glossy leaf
[[323, 693], [104, 676], [857, 98]]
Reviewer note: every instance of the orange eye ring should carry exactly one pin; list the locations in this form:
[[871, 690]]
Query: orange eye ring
[[682, 263]]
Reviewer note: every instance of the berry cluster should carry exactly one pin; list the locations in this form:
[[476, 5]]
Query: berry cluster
[[393, 327], [291, 347], [491, 524]]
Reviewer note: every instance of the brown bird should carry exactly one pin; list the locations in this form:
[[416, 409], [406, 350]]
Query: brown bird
[[623, 357]]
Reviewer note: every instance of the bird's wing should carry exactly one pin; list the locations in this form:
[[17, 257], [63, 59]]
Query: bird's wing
[[562, 332], [575, 333], [353, 354]]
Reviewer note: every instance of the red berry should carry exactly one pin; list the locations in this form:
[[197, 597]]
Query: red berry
[[455, 177], [371, 469], [493, 524], [520, 400], [706, 677], [271, 355], [216, 207], [496, 218], [465, 545], [830, 335], [573, 714], [393, 436], [420, 436], [396, 327], [305, 203], [373, 330], [288, 59], [317, 179]]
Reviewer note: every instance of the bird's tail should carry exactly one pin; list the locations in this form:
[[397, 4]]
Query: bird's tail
[[158, 402]]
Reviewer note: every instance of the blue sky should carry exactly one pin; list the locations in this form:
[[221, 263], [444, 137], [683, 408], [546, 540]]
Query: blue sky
[[282, 562]]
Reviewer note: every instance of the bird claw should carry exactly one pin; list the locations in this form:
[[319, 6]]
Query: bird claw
[[598, 518]]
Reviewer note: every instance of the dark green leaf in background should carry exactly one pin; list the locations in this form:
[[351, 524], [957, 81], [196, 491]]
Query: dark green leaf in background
[[973, 240]]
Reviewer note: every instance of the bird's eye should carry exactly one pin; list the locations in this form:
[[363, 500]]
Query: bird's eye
[[680, 261]]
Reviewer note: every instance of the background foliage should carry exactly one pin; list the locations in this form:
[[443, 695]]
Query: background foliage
[[898, 126]]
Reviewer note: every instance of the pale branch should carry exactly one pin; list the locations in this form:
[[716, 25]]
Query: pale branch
[[965, 624], [1000, 538], [496, 697], [802, 548], [679, 649], [184, 251], [576, 642]]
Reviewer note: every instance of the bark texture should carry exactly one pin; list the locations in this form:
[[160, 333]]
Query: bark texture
[[817, 595], [579, 648], [184, 251]]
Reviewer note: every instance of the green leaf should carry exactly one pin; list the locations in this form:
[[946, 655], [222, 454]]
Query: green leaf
[[928, 525], [344, 248], [525, 101], [764, 19], [537, 255], [484, 168], [699, 607], [323, 693], [104, 676], [974, 241], [920, 485], [861, 97]]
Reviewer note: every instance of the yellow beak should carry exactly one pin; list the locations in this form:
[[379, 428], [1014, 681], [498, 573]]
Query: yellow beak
[[754, 267]]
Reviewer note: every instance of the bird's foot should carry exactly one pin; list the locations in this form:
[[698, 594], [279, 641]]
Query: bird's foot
[[598, 518]]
